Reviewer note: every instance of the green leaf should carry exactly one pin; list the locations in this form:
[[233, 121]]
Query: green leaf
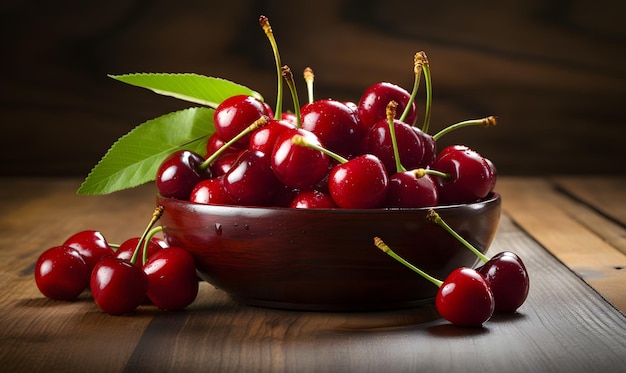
[[199, 89], [135, 157]]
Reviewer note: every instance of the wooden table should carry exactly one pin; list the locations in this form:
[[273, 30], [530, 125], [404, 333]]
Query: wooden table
[[570, 231]]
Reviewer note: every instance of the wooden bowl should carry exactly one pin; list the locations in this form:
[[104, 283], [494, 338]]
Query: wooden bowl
[[325, 259]]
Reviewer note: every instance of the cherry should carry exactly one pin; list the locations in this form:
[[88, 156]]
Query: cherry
[[172, 279], [335, 124], [118, 286], [223, 163], [215, 143], [469, 177], [358, 183], [264, 138], [312, 199], [235, 114], [180, 172], [412, 188], [298, 166], [91, 245], [373, 103], [127, 248], [464, 298], [251, 181], [505, 272], [211, 191], [61, 273], [430, 148]]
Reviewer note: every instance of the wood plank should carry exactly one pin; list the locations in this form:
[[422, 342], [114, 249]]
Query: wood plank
[[553, 219]]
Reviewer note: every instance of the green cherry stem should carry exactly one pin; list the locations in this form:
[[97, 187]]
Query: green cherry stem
[[301, 141], [255, 125], [391, 115], [429, 91], [156, 215], [420, 172], [489, 121], [387, 250], [288, 76], [149, 236], [417, 71], [309, 78], [267, 28], [435, 218]]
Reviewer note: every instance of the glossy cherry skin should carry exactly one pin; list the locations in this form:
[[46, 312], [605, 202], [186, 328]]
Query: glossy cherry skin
[[360, 183], [465, 298], [430, 148], [507, 275], [335, 124], [235, 114], [172, 279], [372, 106], [298, 166], [251, 181], [378, 141], [215, 143], [61, 273], [312, 199], [179, 173], [264, 138], [91, 245], [470, 176], [127, 249], [117, 286], [211, 191], [222, 164], [408, 190]]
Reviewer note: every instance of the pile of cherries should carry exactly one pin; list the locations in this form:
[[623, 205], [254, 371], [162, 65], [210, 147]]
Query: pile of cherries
[[120, 277]]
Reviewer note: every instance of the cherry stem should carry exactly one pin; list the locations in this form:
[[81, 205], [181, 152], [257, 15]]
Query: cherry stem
[[391, 116], [435, 218], [429, 92], [267, 28], [489, 121], [254, 126], [420, 172], [149, 236], [387, 250], [156, 215], [417, 71], [286, 73], [301, 141], [309, 78]]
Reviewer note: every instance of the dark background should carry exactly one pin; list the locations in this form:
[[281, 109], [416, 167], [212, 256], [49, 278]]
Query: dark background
[[554, 72]]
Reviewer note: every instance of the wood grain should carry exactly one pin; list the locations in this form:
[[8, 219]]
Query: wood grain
[[566, 325]]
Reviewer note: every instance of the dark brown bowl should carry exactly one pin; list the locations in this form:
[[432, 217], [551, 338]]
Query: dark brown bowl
[[309, 259]]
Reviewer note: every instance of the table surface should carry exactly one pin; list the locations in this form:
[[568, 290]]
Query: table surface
[[570, 231]]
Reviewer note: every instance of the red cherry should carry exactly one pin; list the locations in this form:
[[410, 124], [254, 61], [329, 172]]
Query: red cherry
[[411, 189], [128, 247], [298, 166], [264, 138], [91, 245], [465, 298], [507, 275], [222, 164], [61, 273], [211, 191], [378, 142], [359, 183], [117, 286], [312, 199], [470, 176], [430, 148], [251, 181], [215, 143], [373, 104], [335, 124], [235, 114], [172, 279], [179, 173]]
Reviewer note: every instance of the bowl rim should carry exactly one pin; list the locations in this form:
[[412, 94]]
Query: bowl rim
[[492, 197]]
